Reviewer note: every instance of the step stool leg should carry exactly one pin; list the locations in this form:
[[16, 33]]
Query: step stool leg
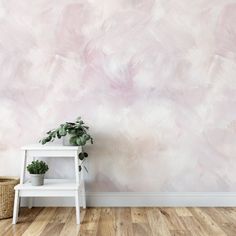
[[83, 195], [16, 207], [30, 202], [19, 205], [77, 208]]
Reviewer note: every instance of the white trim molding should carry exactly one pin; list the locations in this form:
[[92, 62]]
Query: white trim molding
[[132, 199], [126, 199]]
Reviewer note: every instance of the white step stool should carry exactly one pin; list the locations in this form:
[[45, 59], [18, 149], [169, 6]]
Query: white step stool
[[52, 187]]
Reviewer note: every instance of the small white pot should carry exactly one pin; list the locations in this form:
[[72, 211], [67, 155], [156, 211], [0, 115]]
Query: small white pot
[[66, 140], [37, 179]]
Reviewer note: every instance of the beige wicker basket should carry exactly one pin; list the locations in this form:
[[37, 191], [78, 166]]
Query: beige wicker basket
[[7, 195]]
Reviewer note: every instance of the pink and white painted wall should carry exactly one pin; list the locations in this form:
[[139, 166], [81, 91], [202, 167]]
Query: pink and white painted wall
[[155, 80]]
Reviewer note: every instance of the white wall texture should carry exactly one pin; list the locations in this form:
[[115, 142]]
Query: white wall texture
[[155, 81]]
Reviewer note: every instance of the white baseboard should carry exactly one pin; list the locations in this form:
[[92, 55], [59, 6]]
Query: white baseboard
[[132, 199]]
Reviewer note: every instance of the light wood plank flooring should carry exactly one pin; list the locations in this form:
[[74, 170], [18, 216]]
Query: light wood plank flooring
[[123, 222]]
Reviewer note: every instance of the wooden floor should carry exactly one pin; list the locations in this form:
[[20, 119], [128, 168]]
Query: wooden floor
[[123, 221]]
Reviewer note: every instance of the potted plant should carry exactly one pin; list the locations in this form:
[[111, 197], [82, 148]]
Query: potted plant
[[75, 132], [37, 169]]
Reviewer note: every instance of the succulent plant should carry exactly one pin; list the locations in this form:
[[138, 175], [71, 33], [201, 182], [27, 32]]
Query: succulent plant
[[37, 167]]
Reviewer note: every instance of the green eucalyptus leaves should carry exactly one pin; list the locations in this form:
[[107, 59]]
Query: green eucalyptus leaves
[[77, 131]]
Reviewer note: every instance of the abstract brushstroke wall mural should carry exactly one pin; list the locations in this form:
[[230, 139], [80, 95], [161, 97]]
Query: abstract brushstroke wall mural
[[155, 81]]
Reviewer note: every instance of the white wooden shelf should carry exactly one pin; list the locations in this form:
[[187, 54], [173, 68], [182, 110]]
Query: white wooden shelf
[[49, 146], [50, 184], [51, 188]]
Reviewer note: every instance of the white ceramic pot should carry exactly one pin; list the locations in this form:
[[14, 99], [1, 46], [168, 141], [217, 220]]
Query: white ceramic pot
[[66, 140], [37, 179]]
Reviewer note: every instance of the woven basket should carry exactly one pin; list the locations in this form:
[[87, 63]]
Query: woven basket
[[7, 185]]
